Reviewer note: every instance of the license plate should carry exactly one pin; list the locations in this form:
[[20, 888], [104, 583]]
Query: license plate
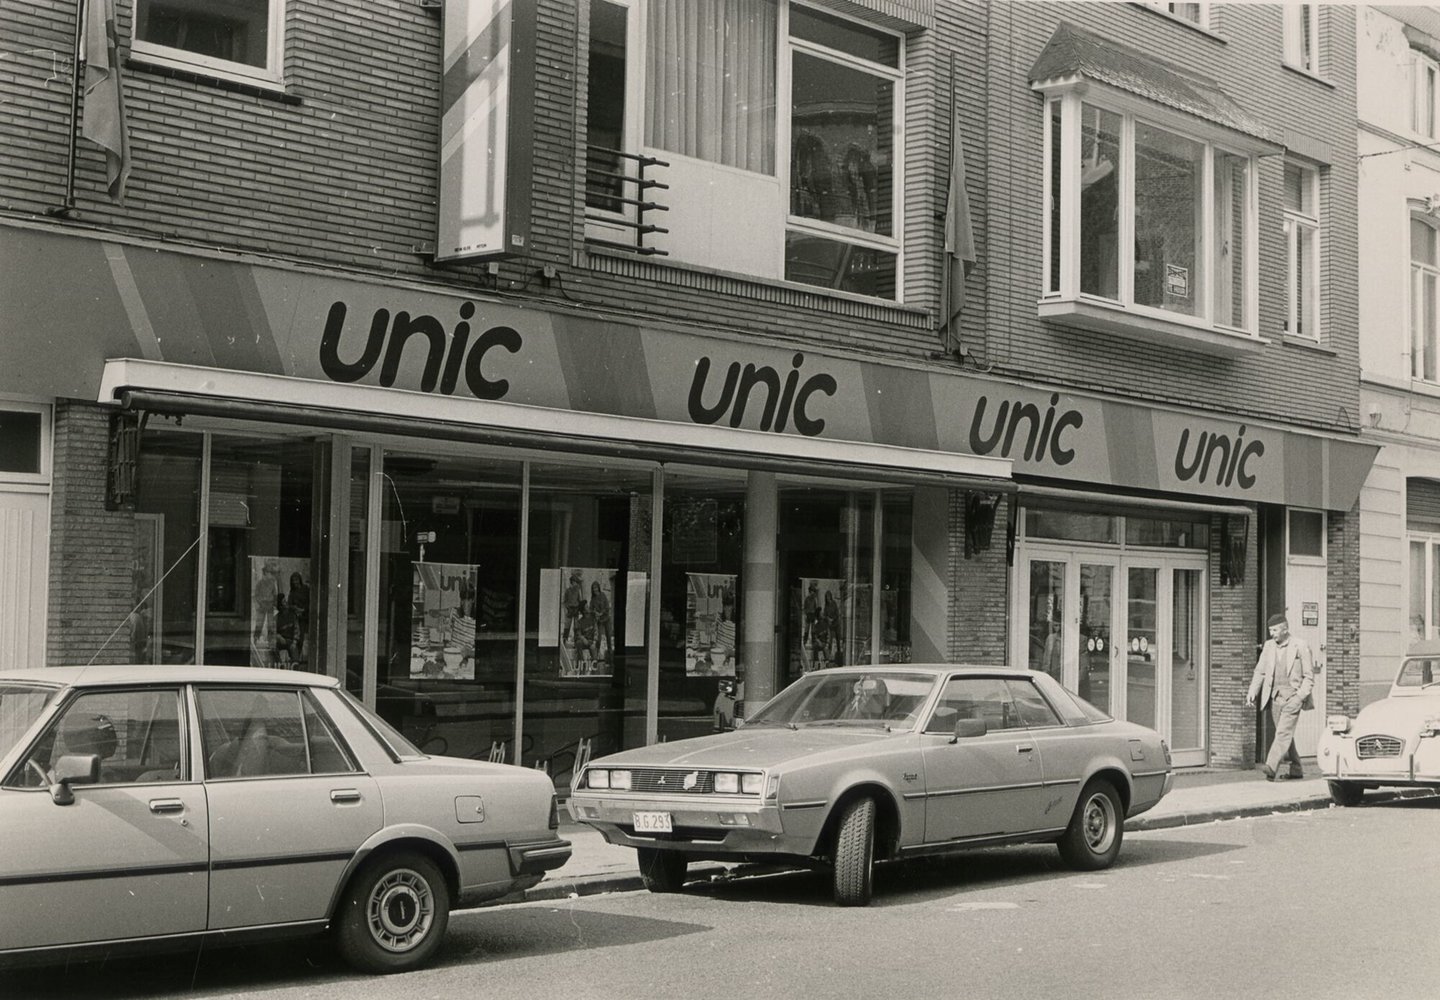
[[652, 822]]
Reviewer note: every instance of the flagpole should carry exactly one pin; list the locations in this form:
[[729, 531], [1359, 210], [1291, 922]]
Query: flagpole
[[69, 204]]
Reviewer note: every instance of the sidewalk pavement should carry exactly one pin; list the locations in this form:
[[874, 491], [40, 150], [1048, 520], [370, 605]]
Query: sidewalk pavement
[[1199, 796]]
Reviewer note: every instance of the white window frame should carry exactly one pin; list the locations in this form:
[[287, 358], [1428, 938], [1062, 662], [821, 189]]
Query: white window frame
[[46, 471], [1300, 226], [1430, 543], [1201, 10], [789, 47], [1074, 93], [270, 77], [1424, 87], [1302, 36], [1423, 343]]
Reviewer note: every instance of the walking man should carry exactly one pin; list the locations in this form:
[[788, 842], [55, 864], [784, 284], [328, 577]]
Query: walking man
[[1283, 677]]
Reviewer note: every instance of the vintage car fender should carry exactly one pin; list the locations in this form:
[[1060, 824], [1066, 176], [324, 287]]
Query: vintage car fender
[[393, 834], [808, 799], [1110, 765]]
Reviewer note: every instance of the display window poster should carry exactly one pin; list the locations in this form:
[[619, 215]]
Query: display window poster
[[577, 609], [821, 633], [279, 611], [442, 620], [710, 624]]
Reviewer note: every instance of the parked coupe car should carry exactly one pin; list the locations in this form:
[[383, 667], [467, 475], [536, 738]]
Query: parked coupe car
[[145, 807], [852, 765], [1394, 741]]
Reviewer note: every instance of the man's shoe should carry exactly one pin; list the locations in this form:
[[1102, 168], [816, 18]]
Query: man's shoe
[[1296, 776], [1269, 772]]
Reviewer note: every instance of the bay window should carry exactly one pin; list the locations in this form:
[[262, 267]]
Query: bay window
[[1149, 221]]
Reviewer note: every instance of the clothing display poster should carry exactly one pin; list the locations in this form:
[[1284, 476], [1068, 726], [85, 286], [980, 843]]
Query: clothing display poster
[[710, 625], [442, 620], [279, 611]]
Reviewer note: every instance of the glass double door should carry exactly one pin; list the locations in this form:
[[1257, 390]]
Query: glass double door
[[1125, 632]]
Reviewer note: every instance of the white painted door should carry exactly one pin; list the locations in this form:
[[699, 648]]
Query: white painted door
[[24, 544]]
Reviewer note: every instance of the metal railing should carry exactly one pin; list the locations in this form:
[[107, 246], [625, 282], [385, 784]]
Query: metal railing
[[609, 184]]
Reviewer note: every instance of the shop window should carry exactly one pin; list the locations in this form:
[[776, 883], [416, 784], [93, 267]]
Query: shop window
[[166, 538], [1302, 241], [702, 671], [232, 39], [1302, 36], [356, 559], [1307, 534], [1130, 229], [260, 560], [1424, 291], [449, 608], [1167, 532], [1075, 526], [586, 611]]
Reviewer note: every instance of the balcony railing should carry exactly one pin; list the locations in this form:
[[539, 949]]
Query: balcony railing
[[616, 183]]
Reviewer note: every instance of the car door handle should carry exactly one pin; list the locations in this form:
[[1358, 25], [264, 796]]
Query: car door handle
[[166, 806], [345, 795], [1024, 747]]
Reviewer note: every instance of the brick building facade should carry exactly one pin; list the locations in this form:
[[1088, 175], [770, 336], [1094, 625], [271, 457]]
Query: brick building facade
[[431, 450]]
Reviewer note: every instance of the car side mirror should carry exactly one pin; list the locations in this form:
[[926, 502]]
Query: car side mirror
[[73, 769], [966, 728]]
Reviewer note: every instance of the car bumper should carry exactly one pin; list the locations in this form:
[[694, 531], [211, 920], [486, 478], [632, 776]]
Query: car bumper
[[703, 826], [1338, 760], [537, 858]]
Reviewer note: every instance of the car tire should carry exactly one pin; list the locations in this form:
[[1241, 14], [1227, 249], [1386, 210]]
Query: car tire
[[1346, 793], [855, 854], [1092, 840], [662, 871], [393, 914]]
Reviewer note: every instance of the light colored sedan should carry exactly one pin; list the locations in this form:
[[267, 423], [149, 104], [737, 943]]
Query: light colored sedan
[[853, 765], [150, 807], [1394, 741]]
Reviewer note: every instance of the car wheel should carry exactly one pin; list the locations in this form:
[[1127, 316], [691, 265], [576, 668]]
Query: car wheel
[[1346, 793], [662, 871], [1092, 840], [393, 914], [855, 854]]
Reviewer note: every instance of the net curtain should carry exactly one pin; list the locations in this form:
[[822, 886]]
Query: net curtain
[[711, 80]]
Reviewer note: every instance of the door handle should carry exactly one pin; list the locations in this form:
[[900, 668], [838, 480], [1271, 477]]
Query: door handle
[[345, 795], [166, 806], [1024, 747]]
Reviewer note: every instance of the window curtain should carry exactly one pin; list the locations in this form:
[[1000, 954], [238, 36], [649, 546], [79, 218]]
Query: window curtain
[[710, 72]]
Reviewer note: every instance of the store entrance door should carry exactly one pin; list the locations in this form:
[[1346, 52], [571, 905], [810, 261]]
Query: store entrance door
[[24, 536]]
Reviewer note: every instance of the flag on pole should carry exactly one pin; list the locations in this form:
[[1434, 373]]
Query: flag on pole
[[959, 244], [104, 122]]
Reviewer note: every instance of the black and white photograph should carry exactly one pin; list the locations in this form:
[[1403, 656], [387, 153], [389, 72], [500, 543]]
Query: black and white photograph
[[719, 498]]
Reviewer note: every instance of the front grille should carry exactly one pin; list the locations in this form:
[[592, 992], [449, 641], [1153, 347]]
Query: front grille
[[671, 781], [1369, 747]]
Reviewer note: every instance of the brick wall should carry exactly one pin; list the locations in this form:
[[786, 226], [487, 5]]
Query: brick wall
[[1234, 625], [90, 547], [980, 585], [1342, 613]]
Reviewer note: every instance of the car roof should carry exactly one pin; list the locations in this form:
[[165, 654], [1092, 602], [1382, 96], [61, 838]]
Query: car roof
[[962, 669], [111, 675], [1424, 649]]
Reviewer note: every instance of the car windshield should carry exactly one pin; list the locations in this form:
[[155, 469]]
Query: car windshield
[[849, 697], [1419, 672], [20, 705]]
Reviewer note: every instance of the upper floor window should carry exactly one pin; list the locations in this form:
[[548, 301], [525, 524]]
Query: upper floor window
[[233, 39], [1425, 72], [1302, 241], [1302, 36], [1424, 290], [24, 442], [778, 125], [1148, 215], [1193, 12]]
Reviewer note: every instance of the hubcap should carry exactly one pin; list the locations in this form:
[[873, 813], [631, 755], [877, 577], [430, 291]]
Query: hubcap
[[1099, 823], [400, 911]]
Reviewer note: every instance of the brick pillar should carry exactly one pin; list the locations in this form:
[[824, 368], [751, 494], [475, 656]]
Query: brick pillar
[[980, 604], [1342, 613], [91, 549], [1233, 631]]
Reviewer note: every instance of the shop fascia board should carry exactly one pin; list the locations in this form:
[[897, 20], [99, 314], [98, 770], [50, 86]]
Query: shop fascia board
[[162, 387]]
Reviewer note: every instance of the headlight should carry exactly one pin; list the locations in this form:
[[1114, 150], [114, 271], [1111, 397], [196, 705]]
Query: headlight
[[620, 780], [597, 779], [751, 784], [727, 783], [772, 787], [1430, 727], [1338, 723]]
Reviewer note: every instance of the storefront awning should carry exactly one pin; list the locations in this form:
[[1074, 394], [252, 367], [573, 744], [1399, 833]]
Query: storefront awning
[[164, 388]]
